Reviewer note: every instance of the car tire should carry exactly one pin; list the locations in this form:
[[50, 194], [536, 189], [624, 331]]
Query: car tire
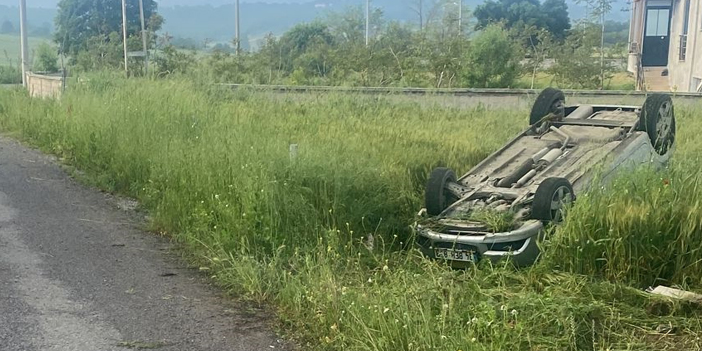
[[549, 101], [658, 121], [436, 197], [549, 199]]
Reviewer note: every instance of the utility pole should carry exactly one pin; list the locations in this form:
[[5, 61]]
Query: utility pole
[[367, 21], [23, 41], [238, 29], [143, 37], [421, 16], [460, 17], [602, 45], [124, 34]]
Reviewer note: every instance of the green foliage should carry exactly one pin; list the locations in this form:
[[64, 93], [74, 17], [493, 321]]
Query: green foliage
[[173, 61], [493, 59], [540, 43], [577, 64], [10, 75], [304, 47], [101, 51], [552, 15], [616, 33], [45, 59], [80, 23], [213, 168], [335, 53]]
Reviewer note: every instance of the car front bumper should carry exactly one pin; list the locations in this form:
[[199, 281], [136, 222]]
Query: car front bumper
[[520, 245]]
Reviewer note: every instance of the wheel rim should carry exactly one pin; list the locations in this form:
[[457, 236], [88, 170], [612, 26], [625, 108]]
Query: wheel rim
[[561, 197], [665, 121]]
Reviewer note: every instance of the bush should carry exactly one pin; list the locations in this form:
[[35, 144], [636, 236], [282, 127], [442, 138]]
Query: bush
[[173, 61], [46, 59], [10, 75], [493, 59]]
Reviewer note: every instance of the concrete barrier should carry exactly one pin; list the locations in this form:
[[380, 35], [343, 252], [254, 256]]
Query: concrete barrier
[[45, 85], [451, 92]]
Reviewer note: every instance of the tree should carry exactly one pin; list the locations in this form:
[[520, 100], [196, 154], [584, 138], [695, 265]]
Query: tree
[[540, 43], [555, 14], [419, 9], [46, 59], [493, 59], [552, 15], [575, 66], [7, 27], [77, 21], [291, 50], [600, 9], [173, 61]]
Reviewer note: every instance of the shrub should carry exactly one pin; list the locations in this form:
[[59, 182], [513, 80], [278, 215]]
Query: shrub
[[493, 59], [46, 59]]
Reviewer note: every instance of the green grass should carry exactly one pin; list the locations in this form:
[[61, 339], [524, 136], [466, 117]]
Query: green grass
[[213, 169], [10, 52], [10, 57], [619, 81]]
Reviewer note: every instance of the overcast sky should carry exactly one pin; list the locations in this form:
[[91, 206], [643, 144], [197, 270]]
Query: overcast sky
[[52, 3]]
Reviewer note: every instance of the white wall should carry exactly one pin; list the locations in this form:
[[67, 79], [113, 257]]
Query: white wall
[[683, 72]]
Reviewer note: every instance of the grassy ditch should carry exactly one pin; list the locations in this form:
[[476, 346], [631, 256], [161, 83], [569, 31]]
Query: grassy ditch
[[324, 236]]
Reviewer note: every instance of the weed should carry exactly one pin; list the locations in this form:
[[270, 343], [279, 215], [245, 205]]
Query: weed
[[324, 235]]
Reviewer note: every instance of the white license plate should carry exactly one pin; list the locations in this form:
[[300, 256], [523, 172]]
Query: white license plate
[[456, 255]]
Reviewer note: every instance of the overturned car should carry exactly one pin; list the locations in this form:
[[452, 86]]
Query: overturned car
[[501, 207]]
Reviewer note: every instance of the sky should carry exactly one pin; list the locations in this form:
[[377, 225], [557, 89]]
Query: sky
[[52, 3]]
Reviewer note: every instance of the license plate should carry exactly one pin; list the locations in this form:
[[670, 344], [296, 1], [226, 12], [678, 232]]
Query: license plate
[[456, 255]]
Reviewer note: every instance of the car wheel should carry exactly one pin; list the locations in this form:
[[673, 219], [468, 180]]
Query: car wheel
[[658, 121], [549, 102], [550, 198], [437, 198]]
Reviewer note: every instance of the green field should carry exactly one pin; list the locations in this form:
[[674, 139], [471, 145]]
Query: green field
[[10, 52], [214, 171], [619, 81]]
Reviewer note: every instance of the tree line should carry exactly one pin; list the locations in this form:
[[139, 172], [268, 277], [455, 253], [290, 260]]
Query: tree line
[[498, 45]]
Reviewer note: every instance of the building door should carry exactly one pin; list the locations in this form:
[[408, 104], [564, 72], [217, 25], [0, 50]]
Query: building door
[[656, 43]]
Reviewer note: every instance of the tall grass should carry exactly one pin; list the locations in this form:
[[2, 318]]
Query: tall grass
[[644, 228], [324, 236], [10, 75]]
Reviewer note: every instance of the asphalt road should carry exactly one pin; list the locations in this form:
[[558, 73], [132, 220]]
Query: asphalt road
[[77, 274]]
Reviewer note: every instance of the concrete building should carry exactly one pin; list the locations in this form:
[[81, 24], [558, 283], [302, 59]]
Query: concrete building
[[665, 44]]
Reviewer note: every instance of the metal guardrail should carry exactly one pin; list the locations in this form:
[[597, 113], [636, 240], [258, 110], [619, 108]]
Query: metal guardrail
[[448, 92]]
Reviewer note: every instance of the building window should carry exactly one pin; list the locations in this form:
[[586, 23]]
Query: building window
[[683, 47], [657, 22], [683, 36]]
